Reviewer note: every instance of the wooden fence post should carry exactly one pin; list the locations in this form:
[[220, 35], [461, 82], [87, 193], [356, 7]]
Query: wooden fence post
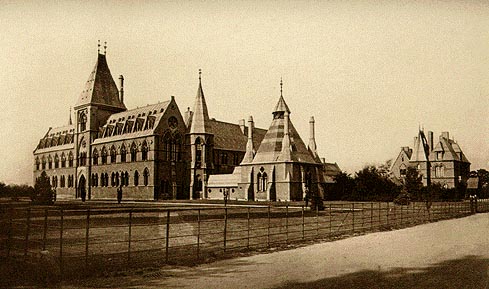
[[61, 221], [87, 236], [330, 219], [198, 234], [248, 231], [287, 223], [45, 231], [9, 246], [302, 222], [387, 214], [167, 239], [371, 216], [225, 226], [317, 220], [129, 237], [353, 217], [27, 232], [268, 230]]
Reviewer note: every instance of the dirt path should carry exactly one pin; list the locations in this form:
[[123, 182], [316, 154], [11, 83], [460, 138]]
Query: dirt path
[[446, 254]]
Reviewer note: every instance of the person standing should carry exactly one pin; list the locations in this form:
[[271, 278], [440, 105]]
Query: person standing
[[119, 194]]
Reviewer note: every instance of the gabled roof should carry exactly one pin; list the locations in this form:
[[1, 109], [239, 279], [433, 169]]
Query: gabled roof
[[451, 151], [228, 136], [138, 122], [100, 87]]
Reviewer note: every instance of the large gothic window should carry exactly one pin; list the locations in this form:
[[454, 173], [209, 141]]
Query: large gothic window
[[167, 146], [113, 155], [134, 152], [83, 121], [144, 151], [104, 156], [70, 160], [262, 179], [95, 157], [123, 153]]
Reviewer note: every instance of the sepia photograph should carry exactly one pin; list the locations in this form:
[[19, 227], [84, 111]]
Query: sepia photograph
[[244, 144]]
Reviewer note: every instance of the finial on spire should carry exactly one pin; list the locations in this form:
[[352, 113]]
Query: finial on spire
[[98, 47], [200, 75], [281, 84], [105, 47]]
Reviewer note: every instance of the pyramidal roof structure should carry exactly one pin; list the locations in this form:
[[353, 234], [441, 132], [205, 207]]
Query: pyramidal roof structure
[[271, 149], [200, 117], [100, 87]]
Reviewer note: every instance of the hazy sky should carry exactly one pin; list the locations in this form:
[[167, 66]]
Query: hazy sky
[[369, 71]]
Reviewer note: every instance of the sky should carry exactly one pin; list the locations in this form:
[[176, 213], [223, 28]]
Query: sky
[[370, 72]]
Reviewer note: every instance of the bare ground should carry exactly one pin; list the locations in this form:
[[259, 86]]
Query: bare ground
[[446, 254]]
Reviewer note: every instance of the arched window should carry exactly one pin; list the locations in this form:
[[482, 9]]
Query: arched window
[[167, 146], [43, 162], [56, 161], [198, 183], [113, 155], [134, 152], [126, 179], [63, 160], [123, 153], [62, 182], [38, 162], [262, 180], [136, 178], [70, 160], [112, 180], [95, 157], [82, 158], [144, 151], [146, 176], [198, 153], [82, 121], [117, 180], [177, 147], [104, 156], [50, 162]]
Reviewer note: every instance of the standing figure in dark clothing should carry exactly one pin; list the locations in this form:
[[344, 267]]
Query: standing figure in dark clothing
[[119, 194]]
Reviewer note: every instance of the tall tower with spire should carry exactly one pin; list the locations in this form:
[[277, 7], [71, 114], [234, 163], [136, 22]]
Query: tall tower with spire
[[98, 100], [201, 142]]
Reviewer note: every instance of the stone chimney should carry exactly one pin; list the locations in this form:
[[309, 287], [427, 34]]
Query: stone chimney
[[121, 91], [430, 140], [312, 138], [187, 117], [323, 160], [248, 158], [242, 125]]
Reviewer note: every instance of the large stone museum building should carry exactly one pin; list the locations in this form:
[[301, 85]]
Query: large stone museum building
[[155, 152]]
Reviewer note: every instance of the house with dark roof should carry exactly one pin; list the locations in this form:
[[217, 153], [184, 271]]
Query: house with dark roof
[[448, 165]]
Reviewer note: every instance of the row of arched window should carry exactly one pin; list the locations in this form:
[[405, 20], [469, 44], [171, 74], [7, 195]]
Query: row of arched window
[[439, 171], [119, 178], [61, 182], [262, 180], [55, 162], [112, 153]]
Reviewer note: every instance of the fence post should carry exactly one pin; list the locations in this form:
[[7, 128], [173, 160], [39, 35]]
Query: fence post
[[387, 214], [371, 216], [353, 217], [286, 223], [45, 231], [9, 247], [167, 241], [302, 222], [330, 219], [317, 220], [379, 204], [27, 232], [225, 226], [248, 227], [87, 236], [268, 230], [129, 237], [198, 234], [401, 214], [61, 243]]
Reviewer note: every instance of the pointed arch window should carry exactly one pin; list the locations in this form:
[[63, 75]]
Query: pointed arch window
[[134, 152], [63, 160], [95, 157], [146, 176], [62, 182], [136, 178], [123, 153], [56, 161], [82, 158], [198, 153], [113, 155], [43, 163], [50, 162], [126, 179], [167, 146], [262, 179], [104, 156], [144, 151], [83, 121], [70, 160], [117, 180], [112, 180], [38, 162]]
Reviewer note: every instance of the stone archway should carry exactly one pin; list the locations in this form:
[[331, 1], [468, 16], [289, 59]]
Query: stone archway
[[82, 188]]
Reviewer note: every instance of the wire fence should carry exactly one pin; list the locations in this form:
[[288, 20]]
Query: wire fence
[[83, 241]]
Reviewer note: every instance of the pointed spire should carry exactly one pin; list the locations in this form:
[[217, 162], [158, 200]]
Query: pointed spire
[[200, 117], [312, 138], [281, 86], [248, 158], [70, 122], [281, 106], [285, 155]]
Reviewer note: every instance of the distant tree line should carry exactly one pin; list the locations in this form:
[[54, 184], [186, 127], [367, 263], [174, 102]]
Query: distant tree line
[[15, 191], [375, 184], [42, 193]]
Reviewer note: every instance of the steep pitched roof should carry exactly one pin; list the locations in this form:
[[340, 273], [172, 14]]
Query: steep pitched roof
[[100, 87], [271, 146], [228, 136], [200, 117], [58, 138], [133, 123], [451, 151], [418, 154]]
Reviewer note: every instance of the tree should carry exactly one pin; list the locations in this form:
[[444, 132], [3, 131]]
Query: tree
[[342, 188], [43, 192], [413, 183], [372, 185]]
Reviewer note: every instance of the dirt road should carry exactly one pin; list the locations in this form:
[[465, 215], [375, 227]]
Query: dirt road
[[446, 254]]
